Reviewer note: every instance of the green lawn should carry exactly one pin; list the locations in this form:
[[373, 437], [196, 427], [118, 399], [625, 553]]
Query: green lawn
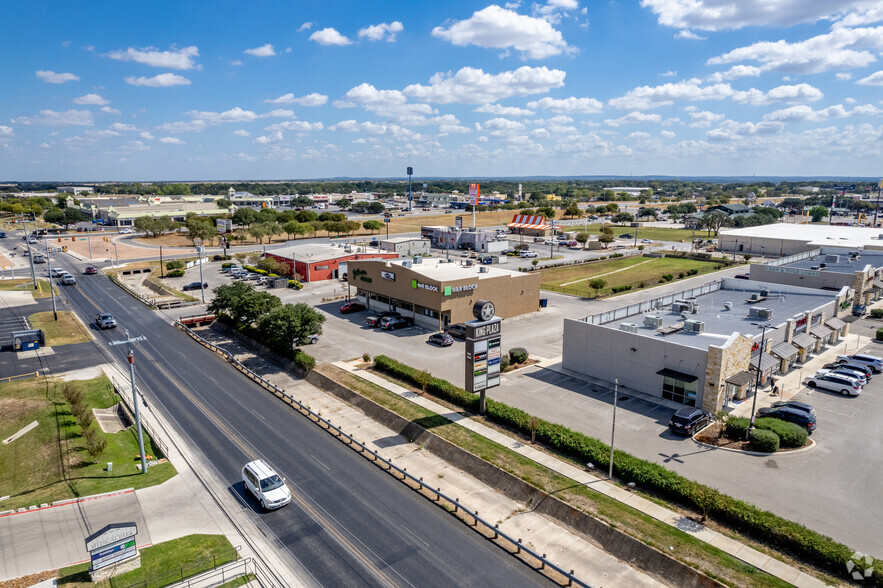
[[67, 329], [623, 271], [654, 233], [50, 462], [26, 284], [161, 564]]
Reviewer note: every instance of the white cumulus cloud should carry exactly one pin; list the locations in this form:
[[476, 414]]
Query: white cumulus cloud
[[241, 133], [804, 113], [110, 110], [381, 31], [175, 59], [262, 51], [703, 119], [6, 131], [634, 118], [572, 104], [793, 94], [296, 125], [473, 86], [498, 28], [329, 36], [305, 27], [57, 78], [730, 130], [95, 99], [644, 97], [503, 110], [171, 140], [146, 135], [123, 127], [165, 80], [875, 79], [51, 118]]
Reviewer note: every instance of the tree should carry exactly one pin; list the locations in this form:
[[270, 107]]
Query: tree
[[223, 203], [546, 211], [268, 264], [290, 325], [258, 232], [254, 305], [583, 238], [597, 284], [291, 228], [245, 217], [372, 225], [343, 203], [606, 236], [306, 216], [647, 211], [622, 218], [272, 229], [713, 221], [572, 210], [227, 297], [202, 230], [817, 213]]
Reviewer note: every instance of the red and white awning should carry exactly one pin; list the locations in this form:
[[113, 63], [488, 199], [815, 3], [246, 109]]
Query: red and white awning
[[524, 221]]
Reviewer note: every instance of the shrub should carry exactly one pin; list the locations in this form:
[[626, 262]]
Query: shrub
[[84, 417], [304, 361], [762, 525], [504, 363], [640, 247], [790, 435], [366, 358], [877, 313], [681, 276], [71, 393], [641, 285], [226, 265], [693, 271], [879, 335], [517, 355], [763, 441], [175, 274], [295, 284], [221, 258], [746, 257], [735, 427], [668, 277], [616, 289], [95, 444], [175, 264]]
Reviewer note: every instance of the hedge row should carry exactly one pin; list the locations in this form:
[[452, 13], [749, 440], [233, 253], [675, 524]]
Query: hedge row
[[789, 434], [763, 441], [762, 525]]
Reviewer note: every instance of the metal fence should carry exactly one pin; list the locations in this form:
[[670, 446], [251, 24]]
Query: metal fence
[[795, 257], [486, 527], [188, 571], [649, 305]]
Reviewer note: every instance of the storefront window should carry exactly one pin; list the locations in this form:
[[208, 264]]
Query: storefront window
[[679, 391]]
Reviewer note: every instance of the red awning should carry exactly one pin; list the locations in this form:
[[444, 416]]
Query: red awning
[[525, 221]]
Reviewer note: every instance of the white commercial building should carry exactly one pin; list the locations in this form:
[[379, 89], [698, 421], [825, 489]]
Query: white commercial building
[[782, 239]]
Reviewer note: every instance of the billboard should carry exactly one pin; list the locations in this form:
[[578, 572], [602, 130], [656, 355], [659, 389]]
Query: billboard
[[473, 194]]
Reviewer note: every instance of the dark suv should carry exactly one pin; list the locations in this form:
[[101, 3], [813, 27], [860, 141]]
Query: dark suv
[[457, 330], [792, 414], [391, 323], [688, 420], [374, 319]]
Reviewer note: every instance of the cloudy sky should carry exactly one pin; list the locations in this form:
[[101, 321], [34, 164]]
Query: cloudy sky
[[275, 90]]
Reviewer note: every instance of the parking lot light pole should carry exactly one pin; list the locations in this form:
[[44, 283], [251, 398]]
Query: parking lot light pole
[[764, 327], [613, 429], [116, 255]]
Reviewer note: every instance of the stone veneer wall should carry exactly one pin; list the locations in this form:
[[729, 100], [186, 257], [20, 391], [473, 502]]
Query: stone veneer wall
[[723, 362]]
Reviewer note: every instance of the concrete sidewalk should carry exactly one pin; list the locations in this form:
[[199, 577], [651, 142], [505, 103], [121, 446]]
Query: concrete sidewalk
[[747, 554]]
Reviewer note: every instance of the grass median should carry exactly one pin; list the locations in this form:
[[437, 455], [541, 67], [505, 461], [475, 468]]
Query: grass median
[[51, 461], [27, 285], [67, 329], [698, 554]]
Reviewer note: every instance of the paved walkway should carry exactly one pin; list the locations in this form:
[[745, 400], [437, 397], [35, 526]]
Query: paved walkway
[[751, 556]]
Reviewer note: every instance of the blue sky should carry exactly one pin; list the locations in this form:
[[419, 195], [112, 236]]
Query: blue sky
[[277, 90]]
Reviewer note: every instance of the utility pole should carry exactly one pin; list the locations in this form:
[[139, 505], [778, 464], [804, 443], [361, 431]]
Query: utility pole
[[51, 287], [30, 253], [410, 198], [131, 358], [200, 251], [613, 429]]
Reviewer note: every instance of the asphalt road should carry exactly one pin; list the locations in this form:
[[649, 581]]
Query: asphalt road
[[349, 523]]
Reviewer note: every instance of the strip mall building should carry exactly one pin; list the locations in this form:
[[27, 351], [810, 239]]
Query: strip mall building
[[319, 261], [436, 292]]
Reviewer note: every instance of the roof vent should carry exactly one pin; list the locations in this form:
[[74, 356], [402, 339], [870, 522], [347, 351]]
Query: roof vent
[[406, 263], [728, 306], [418, 259], [628, 327]]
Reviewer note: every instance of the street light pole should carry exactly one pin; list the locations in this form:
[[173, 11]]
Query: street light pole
[[131, 358], [51, 288], [200, 250], [613, 429], [764, 328], [30, 253]]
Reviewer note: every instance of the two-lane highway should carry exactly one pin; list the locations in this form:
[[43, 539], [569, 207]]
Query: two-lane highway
[[349, 524]]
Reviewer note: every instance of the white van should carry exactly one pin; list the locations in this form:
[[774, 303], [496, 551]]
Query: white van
[[57, 272], [265, 484]]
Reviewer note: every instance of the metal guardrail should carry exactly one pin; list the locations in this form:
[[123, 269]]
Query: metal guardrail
[[436, 494], [35, 374], [124, 394]]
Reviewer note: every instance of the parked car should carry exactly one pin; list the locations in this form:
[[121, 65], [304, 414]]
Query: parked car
[[646, 241], [232, 268], [374, 319], [859, 310], [798, 416], [688, 420], [835, 383], [457, 330], [90, 270], [528, 254], [742, 277], [626, 236], [441, 339], [2, 235], [391, 323], [126, 231], [351, 307], [538, 240], [265, 484], [795, 404], [855, 368], [862, 378], [105, 321], [872, 361], [195, 286], [68, 280], [312, 339]]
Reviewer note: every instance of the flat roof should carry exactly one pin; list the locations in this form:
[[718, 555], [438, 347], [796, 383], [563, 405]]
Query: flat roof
[[442, 270], [822, 234], [720, 323], [843, 264], [402, 239], [314, 252]]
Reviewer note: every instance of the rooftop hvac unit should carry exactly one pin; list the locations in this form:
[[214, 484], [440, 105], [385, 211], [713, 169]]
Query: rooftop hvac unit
[[823, 266], [685, 315], [728, 306], [754, 296], [764, 293], [813, 267], [760, 313], [482, 269], [694, 326], [652, 321], [832, 258], [679, 306], [418, 259], [406, 263], [628, 327]]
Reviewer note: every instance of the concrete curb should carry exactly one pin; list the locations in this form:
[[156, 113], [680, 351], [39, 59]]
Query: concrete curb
[[65, 502], [812, 445]]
